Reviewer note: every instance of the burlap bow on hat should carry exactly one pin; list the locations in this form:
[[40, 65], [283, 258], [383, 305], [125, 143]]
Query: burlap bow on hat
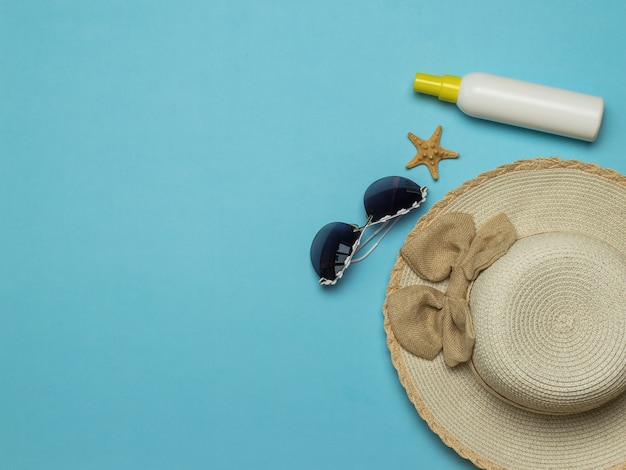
[[424, 319]]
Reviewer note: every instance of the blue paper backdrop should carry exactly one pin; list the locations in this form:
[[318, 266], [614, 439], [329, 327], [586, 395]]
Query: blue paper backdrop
[[164, 167]]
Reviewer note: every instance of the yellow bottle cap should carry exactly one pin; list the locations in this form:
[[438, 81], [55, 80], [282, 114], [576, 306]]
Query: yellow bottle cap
[[445, 87]]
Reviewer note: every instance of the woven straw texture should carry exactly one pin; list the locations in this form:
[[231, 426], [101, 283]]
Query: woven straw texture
[[565, 212], [551, 323]]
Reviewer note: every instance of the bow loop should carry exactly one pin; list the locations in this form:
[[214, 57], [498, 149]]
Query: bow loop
[[414, 312], [426, 320], [491, 242], [434, 251]]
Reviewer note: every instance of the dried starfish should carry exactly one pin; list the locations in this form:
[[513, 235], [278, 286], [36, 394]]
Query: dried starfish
[[430, 152]]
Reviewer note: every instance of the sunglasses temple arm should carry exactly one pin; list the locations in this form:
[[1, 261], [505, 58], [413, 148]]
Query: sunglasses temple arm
[[387, 226]]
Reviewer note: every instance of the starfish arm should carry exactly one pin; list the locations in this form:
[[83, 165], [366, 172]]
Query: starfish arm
[[436, 137], [415, 139], [416, 160], [448, 154], [434, 169]]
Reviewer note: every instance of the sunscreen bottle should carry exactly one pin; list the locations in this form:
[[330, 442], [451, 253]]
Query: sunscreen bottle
[[520, 103]]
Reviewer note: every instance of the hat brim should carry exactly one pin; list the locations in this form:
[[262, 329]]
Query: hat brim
[[539, 196]]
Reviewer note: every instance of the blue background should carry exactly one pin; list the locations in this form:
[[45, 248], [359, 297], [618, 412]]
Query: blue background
[[164, 167]]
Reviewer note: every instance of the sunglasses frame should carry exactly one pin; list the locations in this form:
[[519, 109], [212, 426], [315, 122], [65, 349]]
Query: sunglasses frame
[[358, 245]]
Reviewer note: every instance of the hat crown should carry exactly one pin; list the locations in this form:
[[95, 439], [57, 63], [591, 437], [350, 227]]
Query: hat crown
[[550, 325]]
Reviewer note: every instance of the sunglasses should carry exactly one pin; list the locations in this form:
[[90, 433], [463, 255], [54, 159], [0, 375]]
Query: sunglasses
[[336, 244]]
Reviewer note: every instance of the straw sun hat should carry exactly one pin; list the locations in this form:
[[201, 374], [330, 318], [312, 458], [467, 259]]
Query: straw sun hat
[[506, 317]]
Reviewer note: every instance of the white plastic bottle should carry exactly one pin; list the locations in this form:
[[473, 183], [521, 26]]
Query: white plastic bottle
[[519, 103]]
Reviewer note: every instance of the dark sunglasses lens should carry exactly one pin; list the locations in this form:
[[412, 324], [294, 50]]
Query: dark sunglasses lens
[[330, 248], [389, 195]]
